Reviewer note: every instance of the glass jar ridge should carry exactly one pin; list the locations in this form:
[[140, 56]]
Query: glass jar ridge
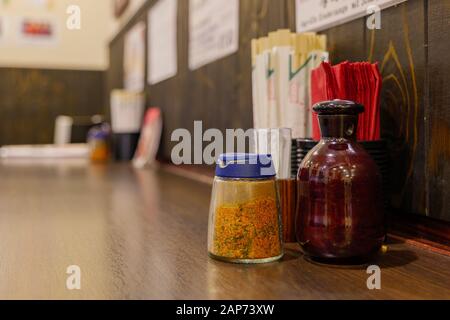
[[244, 220]]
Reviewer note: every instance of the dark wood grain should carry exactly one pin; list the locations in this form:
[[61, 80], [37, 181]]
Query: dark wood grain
[[399, 48], [430, 232], [142, 235], [287, 189], [31, 99], [219, 93], [438, 114], [411, 48]]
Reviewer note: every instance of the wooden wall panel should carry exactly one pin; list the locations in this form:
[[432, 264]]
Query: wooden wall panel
[[344, 43], [31, 99], [219, 93], [414, 115], [438, 115], [399, 47]]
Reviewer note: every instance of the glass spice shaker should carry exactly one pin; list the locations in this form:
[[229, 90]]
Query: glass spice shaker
[[98, 142], [339, 212], [244, 219]]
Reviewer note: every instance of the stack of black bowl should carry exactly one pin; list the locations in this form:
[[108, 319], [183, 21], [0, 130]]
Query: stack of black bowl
[[300, 147], [379, 152], [377, 149]]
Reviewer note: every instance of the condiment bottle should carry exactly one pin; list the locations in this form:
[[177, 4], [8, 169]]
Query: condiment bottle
[[244, 219], [339, 208], [98, 142]]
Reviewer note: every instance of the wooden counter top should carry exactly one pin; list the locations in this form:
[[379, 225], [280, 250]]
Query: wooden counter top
[[142, 235]]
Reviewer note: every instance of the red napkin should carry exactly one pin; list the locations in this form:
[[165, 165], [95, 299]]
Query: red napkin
[[360, 82], [323, 81], [365, 99], [341, 75]]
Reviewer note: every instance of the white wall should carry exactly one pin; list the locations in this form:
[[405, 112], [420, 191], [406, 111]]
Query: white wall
[[78, 49]]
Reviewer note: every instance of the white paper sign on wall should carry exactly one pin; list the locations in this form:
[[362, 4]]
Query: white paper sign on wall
[[162, 41], [213, 30], [134, 58], [317, 15]]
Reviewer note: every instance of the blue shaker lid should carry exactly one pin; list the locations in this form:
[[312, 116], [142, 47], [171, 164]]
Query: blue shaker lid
[[100, 132], [245, 165]]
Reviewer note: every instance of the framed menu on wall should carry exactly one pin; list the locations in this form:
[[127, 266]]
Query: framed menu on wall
[[317, 15], [162, 41], [134, 58], [213, 30]]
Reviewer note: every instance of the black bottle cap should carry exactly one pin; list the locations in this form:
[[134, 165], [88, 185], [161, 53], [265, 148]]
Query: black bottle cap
[[338, 107]]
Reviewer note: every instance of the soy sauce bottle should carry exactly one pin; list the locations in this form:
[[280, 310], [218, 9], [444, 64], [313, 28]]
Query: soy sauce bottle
[[339, 215]]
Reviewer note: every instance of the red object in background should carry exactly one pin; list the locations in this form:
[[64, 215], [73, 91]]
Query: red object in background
[[150, 138], [36, 28], [324, 89], [359, 82]]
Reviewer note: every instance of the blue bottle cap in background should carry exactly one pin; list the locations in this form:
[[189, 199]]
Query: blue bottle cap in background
[[245, 165]]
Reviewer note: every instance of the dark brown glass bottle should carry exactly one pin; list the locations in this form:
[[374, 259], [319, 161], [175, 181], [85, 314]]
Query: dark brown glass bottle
[[339, 211]]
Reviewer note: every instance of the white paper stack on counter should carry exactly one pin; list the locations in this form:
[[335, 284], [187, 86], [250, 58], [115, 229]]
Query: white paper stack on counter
[[282, 65], [127, 110], [50, 151]]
